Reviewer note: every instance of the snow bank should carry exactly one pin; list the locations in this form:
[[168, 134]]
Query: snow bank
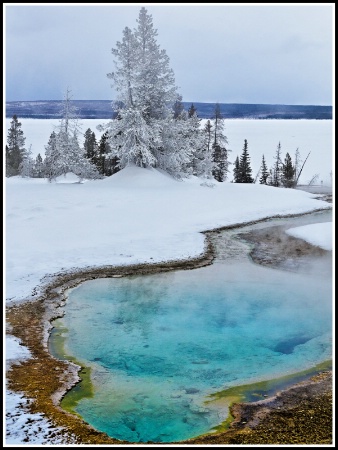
[[319, 234]]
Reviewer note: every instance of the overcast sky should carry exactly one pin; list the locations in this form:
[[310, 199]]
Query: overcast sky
[[227, 53]]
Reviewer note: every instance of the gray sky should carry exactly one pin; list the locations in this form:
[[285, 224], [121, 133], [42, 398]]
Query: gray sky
[[228, 53]]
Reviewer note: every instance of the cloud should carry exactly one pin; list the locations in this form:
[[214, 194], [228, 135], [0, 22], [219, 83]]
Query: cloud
[[242, 52]]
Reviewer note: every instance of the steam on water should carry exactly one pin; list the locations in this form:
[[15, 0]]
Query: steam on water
[[159, 344]]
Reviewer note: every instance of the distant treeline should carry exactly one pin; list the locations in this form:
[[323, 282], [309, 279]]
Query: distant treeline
[[102, 109]]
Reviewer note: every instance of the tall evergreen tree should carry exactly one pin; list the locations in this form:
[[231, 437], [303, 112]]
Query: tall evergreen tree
[[143, 78], [15, 150], [245, 170], [219, 151], [146, 131], [264, 172], [288, 172], [155, 85]]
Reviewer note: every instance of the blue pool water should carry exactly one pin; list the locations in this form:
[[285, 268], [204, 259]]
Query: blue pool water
[[157, 345]]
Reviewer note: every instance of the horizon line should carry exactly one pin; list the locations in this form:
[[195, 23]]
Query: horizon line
[[192, 102]]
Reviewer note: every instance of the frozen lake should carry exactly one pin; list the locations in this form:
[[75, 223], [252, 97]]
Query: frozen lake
[[263, 136]]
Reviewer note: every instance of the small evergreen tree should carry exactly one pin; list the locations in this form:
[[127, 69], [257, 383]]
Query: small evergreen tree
[[90, 144], [38, 171], [64, 154], [105, 158], [277, 168], [100, 155], [297, 165], [237, 173], [15, 149], [202, 159], [177, 139], [245, 170], [220, 159], [8, 163], [192, 110], [270, 178], [51, 156], [219, 151], [264, 173], [288, 172], [178, 108], [208, 131], [26, 168]]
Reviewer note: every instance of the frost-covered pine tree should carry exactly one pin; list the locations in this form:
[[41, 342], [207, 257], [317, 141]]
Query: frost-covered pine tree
[[146, 131], [177, 138], [63, 152], [70, 119], [143, 78], [155, 89], [26, 168], [202, 158], [133, 139]]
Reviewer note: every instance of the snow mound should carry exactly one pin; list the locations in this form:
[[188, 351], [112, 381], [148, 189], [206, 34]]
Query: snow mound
[[69, 177], [138, 177]]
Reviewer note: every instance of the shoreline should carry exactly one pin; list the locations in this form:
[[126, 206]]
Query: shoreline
[[31, 322]]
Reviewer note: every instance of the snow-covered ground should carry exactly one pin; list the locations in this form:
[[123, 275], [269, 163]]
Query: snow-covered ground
[[137, 215], [263, 136]]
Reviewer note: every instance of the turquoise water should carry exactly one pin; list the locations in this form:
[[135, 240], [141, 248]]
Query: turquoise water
[[157, 345]]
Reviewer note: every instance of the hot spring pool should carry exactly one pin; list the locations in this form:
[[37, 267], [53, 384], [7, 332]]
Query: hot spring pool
[[158, 345]]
